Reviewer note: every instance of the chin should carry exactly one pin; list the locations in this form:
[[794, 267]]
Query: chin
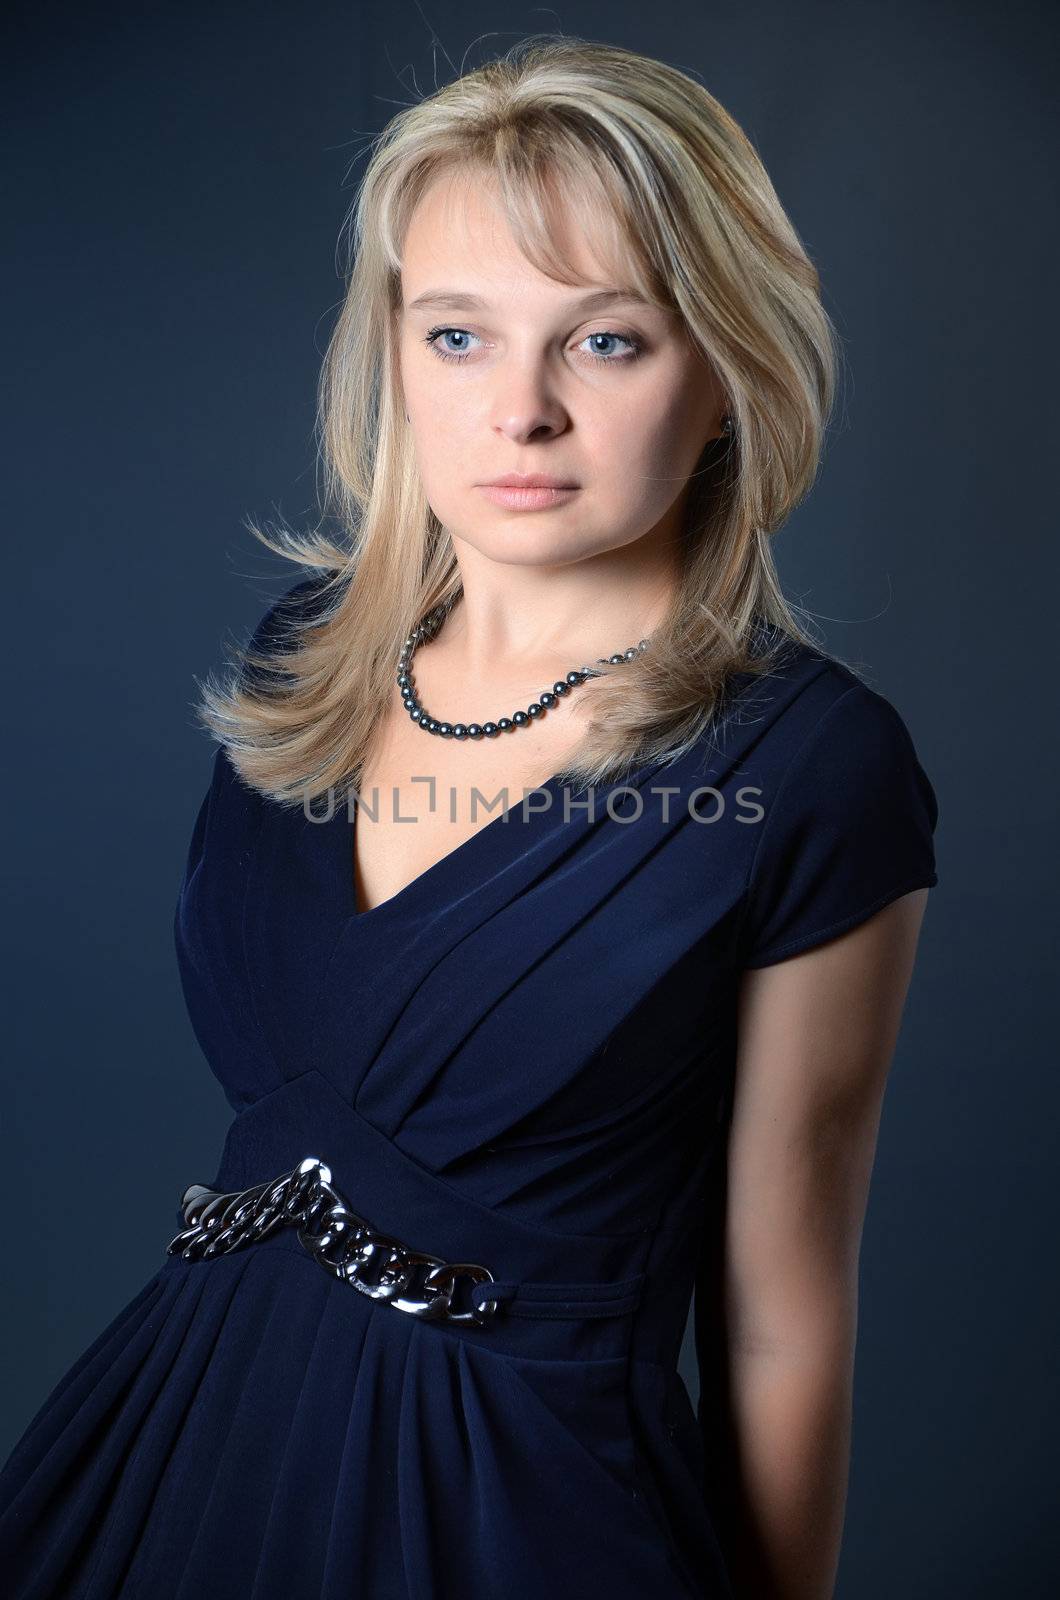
[[519, 543]]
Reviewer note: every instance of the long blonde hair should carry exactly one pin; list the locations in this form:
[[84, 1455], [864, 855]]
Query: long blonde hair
[[683, 198]]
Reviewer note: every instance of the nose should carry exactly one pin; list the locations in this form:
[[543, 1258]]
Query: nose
[[526, 405]]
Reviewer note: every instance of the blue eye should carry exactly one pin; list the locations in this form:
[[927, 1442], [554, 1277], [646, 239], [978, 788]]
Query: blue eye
[[624, 338], [431, 339], [445, 355]]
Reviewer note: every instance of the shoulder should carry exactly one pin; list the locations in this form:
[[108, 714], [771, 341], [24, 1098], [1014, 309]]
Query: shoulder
[[809, 705], [849, 813], [851, 724], [277, 631], [258, 667], [303, 601]]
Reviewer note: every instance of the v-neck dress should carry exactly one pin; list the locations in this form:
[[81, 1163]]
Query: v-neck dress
[[524, 1060]]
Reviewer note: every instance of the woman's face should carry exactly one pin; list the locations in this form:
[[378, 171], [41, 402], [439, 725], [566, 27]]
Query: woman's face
[[610, 398]]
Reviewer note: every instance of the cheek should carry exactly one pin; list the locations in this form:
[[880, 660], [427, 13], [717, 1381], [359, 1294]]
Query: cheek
[[659, 433], [447, 463], [444, 429], [647, 454]]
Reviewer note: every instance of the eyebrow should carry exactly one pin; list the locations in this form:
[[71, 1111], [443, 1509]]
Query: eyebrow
[[454, 300]]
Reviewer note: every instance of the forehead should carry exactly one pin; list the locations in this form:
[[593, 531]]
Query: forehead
[[460, 252]]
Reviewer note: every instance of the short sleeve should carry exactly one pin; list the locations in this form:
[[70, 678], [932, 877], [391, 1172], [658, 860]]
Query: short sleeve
[[849, 829]]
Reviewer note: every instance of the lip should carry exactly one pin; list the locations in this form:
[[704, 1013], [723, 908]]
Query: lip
[[526, 499], [529, 480]]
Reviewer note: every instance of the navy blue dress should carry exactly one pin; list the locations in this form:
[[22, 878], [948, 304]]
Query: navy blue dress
[[523, 1060]]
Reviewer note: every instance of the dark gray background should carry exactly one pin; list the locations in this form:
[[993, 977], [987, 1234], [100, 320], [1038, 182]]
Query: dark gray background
[[177, 176]]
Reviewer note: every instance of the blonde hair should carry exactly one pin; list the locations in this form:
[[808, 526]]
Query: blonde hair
[[684, 203]]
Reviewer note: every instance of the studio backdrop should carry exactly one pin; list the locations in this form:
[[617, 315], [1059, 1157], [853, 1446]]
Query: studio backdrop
[[176, 182]]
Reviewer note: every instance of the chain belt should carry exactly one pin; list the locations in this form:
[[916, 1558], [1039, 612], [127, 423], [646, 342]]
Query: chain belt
[[344, 1243]]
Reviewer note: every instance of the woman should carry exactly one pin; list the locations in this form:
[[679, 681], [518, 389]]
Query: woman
[[510, 1081]]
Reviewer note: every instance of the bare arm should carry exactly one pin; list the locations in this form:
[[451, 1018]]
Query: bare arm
[[817, 1033]]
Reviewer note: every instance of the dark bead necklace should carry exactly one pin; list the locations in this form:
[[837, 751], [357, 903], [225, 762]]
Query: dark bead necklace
[[429, 627]]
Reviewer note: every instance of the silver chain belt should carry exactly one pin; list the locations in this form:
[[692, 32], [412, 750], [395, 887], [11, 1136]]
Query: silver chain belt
[[349, 1247]]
